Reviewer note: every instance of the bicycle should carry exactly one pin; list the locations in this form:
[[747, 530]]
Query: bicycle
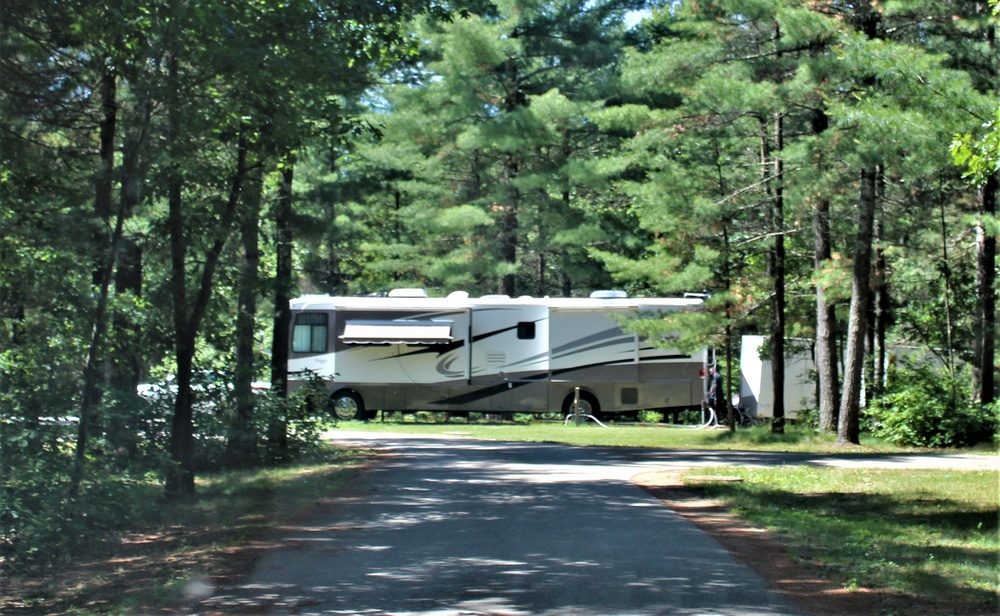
[[743, 418]]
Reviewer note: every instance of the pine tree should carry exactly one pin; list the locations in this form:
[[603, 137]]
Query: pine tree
[[493, 147]]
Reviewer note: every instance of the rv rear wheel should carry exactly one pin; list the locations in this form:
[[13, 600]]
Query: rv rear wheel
[[588, 405], [347, 405]]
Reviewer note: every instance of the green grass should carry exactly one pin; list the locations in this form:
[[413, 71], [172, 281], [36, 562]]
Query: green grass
[[927, 533], [795, 439]]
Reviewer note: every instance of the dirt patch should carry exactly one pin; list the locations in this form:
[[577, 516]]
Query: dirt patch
[[817, 591]]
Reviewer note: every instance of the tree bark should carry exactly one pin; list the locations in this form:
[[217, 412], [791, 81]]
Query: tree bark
[[879, 309], [126, 369], [776, 267], [277, 429], [241, 446], [508, 233], [882, 304], [848, 429], [103, 196], [728, 281], [509, 224], [826, 325], [986, 273]]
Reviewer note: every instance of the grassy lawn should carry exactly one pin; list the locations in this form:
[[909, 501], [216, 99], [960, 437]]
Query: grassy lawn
[[930, 534], [637, 435]]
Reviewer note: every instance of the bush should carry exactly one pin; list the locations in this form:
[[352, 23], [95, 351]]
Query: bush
[[922, 407], [43, 522]]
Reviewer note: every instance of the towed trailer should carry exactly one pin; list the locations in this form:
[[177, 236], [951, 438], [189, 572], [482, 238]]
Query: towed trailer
[[495, 354]]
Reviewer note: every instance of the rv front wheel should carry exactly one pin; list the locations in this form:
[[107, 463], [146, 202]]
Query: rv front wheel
[[347, 405], [588, 405]]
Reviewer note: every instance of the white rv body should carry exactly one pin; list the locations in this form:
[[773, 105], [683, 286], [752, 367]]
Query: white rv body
[[489, 354]]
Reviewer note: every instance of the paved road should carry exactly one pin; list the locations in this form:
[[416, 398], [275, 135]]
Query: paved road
[[455, 527]]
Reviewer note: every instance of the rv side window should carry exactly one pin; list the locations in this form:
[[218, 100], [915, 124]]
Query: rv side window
[[310, 333], [526, 330]]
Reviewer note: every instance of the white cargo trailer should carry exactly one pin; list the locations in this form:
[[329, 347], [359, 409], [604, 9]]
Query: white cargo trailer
[[495, 354], [757, 386]]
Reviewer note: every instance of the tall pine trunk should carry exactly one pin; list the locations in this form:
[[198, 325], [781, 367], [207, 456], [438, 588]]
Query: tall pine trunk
[[727, 274], [776, 270], [878, 309], [509, 223], [241, 446], [104, 183], [881, 310], [826, 324], [277, 428], [848, 429], [986, 275], [127, 365]]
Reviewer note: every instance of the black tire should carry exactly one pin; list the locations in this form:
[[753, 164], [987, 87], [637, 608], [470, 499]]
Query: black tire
[[588, 405], [347, 405]]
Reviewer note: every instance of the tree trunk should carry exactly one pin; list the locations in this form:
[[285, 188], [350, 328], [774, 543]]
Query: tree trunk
[[850, 409], [728, 281], [776, 265], [879, 310], [103, 195], [826, 325], [241, 447], [126, 369], [514, 98], [277, 429], [986, 251], [508, 235], [181, 475], [880, 358]]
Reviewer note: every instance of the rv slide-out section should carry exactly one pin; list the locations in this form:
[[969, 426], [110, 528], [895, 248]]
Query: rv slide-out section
[[491, 354]]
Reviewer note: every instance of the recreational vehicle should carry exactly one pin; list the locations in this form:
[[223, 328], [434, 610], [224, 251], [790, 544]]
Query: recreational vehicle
[[494, 354]]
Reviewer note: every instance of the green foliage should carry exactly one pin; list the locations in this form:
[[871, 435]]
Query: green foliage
[[979, 155], [42, 522], [925, 407]]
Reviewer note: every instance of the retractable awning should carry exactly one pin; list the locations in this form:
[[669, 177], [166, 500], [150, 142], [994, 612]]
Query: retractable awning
[[397, 332]]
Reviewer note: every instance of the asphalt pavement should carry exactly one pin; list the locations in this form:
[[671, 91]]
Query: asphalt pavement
[[449, 526]]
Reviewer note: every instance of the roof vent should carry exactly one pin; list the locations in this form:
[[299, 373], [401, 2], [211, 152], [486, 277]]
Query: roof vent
[[608, 295], [408, 293]]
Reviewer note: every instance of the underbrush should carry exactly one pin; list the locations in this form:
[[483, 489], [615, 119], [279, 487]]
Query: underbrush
[[925, 407], [168, 544]]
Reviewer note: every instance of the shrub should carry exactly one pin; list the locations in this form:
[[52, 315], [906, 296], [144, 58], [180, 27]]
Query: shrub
[[922, 407]]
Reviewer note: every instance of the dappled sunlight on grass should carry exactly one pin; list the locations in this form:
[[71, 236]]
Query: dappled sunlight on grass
[[927, 533]]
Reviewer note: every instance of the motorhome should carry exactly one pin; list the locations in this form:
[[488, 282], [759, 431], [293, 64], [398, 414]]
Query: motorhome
[[493, 354]]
